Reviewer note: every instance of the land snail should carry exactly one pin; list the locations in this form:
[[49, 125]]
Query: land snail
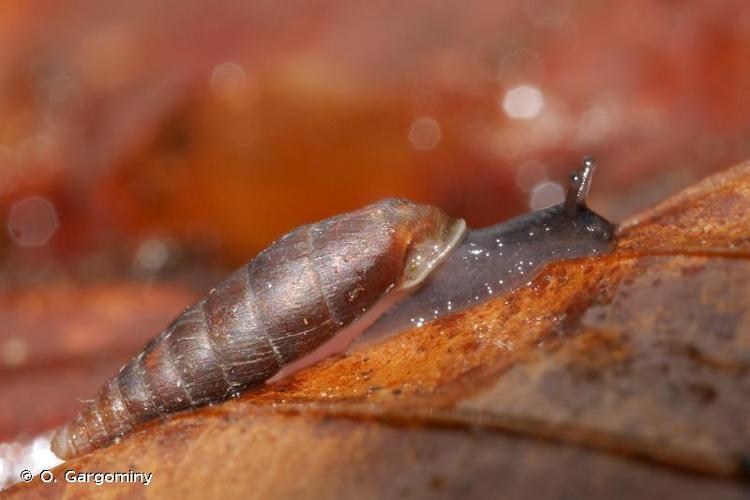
[[379, 270]]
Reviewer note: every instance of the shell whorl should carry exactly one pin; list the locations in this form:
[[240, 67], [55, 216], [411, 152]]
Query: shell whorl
[[290, 299]]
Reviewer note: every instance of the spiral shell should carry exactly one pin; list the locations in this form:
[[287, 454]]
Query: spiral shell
[[282, 305]]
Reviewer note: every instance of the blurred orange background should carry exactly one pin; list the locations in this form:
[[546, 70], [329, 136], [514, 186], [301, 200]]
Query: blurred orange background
[[147, 148]]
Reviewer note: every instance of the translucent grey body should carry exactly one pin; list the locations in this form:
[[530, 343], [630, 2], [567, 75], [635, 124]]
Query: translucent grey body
[[494, 260]]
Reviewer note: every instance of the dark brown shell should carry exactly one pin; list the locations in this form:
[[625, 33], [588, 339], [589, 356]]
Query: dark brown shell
[[289, 300]]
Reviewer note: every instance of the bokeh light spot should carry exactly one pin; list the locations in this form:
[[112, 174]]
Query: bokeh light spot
[[524, 102], [595, 124], [13, 352], [32, 221], [152, 255], [425, 133], [229, 82]]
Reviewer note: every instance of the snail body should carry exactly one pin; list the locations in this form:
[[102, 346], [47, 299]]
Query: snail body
[[494, 260], [316, 289]]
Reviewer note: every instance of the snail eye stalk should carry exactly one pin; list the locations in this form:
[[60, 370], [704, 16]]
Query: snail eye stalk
[[578, 189]]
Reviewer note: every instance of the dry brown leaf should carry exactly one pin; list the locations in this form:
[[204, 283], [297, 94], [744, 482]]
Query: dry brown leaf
[[621, 376]]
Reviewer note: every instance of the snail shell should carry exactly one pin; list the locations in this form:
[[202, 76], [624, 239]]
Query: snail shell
[[291, 299], [314, 290]]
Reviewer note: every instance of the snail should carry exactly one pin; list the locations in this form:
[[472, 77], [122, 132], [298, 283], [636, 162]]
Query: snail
[[380, 269]]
